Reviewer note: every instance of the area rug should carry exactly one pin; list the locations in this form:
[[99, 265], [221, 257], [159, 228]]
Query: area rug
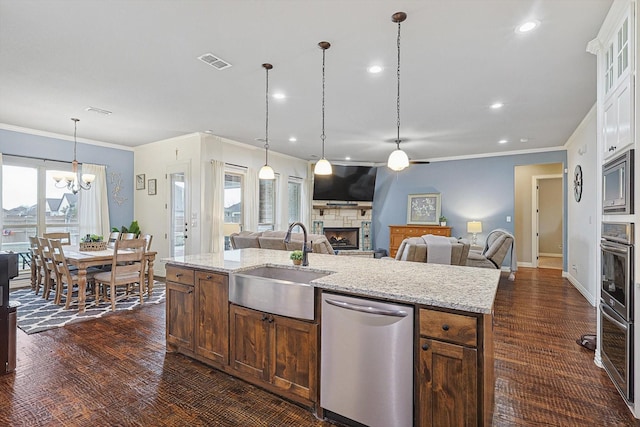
[[35, 314]]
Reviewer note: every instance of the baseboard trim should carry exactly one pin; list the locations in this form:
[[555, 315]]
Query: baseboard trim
[[576, 284]]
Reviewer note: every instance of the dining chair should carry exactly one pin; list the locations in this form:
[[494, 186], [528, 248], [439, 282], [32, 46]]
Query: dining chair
[[147, 238], [127, 268], [127, 236], [64, 237], [37, 267], [113, 236], [49, 270], [66, 279]]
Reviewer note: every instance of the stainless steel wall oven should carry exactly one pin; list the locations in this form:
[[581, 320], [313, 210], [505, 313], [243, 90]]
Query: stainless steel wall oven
[[616, 305]]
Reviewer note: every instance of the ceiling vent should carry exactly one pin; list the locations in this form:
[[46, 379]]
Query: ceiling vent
[[214, 61]]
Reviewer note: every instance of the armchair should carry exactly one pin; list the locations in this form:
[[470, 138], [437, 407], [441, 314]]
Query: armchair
[[499, 243]]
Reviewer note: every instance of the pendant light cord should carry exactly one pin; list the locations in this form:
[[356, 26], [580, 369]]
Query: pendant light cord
[[322, 137], [266, 126], [398, 97]]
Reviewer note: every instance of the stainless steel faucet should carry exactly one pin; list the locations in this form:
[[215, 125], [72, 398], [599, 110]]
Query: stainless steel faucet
[[305, 248]]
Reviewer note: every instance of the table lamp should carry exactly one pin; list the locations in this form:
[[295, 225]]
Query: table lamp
[[474, 227]]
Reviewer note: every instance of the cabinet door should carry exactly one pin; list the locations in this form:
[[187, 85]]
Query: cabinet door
[[293, 356], [249, 332], [448, 384], [180, 316], [212, 308]]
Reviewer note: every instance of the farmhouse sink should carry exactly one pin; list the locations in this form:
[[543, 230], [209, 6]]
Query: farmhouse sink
[[276, 290]]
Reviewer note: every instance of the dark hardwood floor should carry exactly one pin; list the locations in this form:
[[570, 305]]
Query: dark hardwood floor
[[114, 371]]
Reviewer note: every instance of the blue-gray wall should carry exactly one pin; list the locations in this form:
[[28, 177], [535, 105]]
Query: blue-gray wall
[[117, 161], [481, 189]]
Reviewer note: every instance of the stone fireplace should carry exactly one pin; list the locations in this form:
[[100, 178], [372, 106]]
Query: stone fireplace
[[356, 217], [342, 238]]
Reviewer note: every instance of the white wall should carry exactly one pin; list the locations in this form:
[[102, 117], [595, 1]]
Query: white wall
[[582, 234], [195, 152]]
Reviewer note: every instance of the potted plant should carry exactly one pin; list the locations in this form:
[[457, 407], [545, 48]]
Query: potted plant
[[296, 257], [443, 220]]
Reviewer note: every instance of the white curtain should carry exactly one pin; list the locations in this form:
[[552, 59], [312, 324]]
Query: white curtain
[[93, 215], [251, 201], [217, 197], [305, 214], [1, 215]]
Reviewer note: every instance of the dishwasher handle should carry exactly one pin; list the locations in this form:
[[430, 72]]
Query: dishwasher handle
[[366, 308]]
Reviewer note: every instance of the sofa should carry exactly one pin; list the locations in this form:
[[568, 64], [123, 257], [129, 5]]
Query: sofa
[[416, 249], [275, 240]]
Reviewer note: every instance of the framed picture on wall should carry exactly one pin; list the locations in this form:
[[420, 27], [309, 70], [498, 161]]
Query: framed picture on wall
[[423, 209], [140, 182], [152, 187]]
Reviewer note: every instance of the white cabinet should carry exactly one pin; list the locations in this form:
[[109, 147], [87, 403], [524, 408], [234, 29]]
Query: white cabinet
[[616, 121], [618, 82]]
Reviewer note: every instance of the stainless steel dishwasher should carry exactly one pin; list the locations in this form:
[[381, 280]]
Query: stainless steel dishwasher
[[366, 370]]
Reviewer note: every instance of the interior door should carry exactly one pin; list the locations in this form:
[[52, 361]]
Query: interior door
[[178, 180]]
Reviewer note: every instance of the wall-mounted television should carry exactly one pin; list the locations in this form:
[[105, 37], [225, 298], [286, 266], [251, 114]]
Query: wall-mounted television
[[346, 184]]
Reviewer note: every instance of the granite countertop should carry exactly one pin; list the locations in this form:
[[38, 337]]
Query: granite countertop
[[456, 287]]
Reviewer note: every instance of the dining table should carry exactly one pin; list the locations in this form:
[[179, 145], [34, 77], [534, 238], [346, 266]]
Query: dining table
[[82, 260]]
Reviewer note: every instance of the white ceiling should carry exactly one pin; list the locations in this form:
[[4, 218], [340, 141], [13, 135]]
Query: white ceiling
[[138, 58]]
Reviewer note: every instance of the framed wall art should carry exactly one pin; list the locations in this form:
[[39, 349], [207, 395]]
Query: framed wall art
[[152, 187], [423, 208], [140, 182]]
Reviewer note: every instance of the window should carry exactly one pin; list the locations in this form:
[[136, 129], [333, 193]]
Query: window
[[232, 206], [608, 73], [36, 206], [623, 47], [267, 201], [295, 200]]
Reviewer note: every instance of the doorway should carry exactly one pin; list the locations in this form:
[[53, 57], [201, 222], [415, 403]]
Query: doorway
[[547, 223], [527, 212]]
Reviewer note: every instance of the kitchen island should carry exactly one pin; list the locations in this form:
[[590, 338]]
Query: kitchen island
[[453, 348]]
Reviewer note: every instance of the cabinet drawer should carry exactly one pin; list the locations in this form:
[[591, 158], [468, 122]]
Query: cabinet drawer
[[449, 326], [180, 275]]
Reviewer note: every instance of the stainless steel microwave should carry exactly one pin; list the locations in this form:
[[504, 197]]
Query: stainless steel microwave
[[617, 185]]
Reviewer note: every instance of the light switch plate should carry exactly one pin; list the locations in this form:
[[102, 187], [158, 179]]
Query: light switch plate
[[508, 218]]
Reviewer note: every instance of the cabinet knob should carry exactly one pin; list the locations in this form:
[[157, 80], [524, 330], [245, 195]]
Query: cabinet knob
[[264, 317], [612, 148], [209, 277], [445, 327], [178, 274], [425, 347], [270, 319]]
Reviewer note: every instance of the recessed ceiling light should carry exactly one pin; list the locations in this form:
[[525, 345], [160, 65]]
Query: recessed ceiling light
[[527, 26], [374, 69], [347, 158], [279, 95], [210, 132], [293, 139], [502, 141], [524, 139], [497, 105]]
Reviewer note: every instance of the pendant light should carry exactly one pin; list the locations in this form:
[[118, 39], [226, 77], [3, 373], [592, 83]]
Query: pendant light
[[71, 181], [266, 171], [398, 159], [323, 167]]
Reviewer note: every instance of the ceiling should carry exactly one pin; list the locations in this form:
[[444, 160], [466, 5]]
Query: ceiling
[[138, 59]]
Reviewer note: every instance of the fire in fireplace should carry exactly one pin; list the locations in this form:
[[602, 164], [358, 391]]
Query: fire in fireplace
[[343, 238]]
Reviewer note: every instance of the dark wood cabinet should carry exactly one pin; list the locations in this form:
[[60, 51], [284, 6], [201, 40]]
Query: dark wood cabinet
[[448, 384], [455, 373], [397, 233], [180, 317], [278, 350], [212, 316], [249, 342]]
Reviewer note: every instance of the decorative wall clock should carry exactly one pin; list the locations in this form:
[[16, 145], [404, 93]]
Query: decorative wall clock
[[577, 183]]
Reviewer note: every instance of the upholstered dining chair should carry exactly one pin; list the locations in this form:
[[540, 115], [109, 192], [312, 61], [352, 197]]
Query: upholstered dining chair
[[64, 237], [65, 279], [127, 268]]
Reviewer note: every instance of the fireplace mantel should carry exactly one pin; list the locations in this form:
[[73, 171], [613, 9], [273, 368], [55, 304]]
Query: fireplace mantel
[[363, 207]]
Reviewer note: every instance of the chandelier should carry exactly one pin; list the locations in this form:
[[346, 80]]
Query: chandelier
[[323, 167], [69, 180], [398, 159]]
